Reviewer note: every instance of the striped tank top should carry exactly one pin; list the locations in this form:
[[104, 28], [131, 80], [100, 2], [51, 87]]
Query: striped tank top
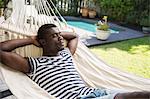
[[58, 76]]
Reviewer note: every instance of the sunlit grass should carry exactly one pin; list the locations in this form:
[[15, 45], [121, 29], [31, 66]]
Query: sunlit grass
[[131, 55]]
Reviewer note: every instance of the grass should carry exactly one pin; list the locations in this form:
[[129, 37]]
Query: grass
[[131, 55]]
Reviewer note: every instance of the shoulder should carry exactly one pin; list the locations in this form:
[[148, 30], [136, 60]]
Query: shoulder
[[35, 63], [38, 60]]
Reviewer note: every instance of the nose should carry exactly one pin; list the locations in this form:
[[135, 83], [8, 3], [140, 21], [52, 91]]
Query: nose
[[60, 37]]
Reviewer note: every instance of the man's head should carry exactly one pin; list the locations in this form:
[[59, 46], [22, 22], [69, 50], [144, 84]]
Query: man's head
[[49, 37]]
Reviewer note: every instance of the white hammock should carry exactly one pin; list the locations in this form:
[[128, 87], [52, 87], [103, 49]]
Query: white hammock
[[26, 19], [93, 70]]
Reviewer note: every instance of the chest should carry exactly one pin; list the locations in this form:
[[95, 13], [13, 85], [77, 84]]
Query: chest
[[63, 61]]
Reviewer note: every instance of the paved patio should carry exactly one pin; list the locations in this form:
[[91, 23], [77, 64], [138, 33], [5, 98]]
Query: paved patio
[[115, 37]]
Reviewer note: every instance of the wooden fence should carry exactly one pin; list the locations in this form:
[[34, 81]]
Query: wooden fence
[[69, 7], [66, 7]]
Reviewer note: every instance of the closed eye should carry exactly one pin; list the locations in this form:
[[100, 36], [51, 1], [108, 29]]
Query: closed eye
[[56, 35]]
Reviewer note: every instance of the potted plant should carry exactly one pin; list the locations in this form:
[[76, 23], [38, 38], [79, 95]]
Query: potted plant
[[84, 9], [102, 31], [92, 9]]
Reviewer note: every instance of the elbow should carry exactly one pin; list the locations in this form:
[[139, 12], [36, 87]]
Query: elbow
[[2, 47], [1, 50], [1, 57], [76, 36]]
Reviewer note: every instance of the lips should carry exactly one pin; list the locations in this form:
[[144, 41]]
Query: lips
[[62, 42], [60, 45]]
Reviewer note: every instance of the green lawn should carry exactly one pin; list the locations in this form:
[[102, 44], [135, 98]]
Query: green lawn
[[131, 55]]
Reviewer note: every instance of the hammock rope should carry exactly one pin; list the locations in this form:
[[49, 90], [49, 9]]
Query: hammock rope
[[26, 19]]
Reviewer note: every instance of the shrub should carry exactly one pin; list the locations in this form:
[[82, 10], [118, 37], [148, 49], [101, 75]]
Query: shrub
[[115, 9], [127, 11], [1, 3], [145, 21]]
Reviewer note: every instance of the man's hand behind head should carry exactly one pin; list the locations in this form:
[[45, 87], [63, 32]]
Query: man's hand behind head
[[35, 41]]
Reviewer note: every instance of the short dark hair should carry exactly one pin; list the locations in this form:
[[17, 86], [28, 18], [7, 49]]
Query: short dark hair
[[44, 29]]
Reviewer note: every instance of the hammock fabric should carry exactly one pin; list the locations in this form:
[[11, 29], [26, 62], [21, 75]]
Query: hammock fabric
[[94, 72]]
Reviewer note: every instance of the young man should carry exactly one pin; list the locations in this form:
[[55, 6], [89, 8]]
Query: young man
[[54, 71]]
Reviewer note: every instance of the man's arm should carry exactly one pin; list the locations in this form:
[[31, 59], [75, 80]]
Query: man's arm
[[11, 59], [72, 39]]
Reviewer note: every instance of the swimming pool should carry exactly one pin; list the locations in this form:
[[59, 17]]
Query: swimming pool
[[89, 26]]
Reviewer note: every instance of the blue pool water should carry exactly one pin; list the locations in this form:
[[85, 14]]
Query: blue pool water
[[87, 26]]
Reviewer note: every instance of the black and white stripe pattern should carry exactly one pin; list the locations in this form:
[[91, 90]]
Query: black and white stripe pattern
[[58, 76]]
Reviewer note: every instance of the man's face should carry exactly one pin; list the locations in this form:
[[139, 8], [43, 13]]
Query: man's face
[[54, 40]]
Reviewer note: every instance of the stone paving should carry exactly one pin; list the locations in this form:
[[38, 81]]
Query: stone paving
[[126, 34]]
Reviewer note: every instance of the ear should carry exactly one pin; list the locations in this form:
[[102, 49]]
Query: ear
[[42, 42]]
